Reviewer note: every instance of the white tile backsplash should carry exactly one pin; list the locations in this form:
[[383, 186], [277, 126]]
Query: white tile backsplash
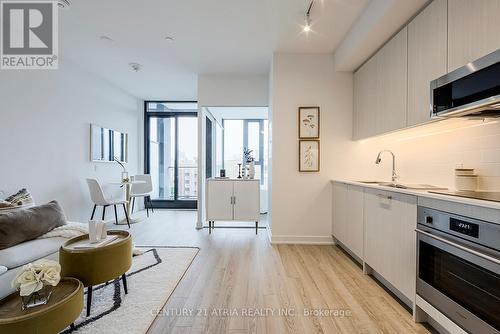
[[430, 153]]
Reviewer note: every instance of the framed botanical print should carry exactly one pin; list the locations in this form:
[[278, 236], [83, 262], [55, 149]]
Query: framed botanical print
[[309, 155], [309, 123]]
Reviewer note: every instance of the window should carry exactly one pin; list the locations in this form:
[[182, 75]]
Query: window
[[240, 134], [171, 146]]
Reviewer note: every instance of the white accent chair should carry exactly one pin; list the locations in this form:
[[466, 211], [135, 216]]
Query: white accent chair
[[143, 189], [97, 196]]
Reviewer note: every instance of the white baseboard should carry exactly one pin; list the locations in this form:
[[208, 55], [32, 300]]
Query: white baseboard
[[305, 240]]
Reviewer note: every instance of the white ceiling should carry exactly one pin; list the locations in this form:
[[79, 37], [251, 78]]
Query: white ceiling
[[210, 37]]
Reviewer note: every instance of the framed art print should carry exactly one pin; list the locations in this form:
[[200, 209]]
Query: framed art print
[[309, 155], [309, 123]]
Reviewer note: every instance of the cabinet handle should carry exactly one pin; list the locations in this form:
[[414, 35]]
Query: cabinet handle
[[384, 196], [234, 199]]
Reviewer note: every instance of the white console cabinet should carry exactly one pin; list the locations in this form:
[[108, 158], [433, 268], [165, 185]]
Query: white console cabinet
[[233, 200]]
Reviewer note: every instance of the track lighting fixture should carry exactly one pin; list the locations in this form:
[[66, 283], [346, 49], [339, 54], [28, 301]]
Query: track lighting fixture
[[307, 26]]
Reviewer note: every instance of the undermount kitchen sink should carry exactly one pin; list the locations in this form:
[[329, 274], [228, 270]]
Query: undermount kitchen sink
[[404, 186]]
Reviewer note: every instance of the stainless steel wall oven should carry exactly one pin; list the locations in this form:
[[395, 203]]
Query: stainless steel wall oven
[[458, 268]]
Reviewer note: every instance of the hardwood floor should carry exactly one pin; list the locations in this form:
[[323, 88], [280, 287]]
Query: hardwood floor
[[240, 283]]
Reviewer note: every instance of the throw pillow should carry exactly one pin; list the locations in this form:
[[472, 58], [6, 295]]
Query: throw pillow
[[3, 270], [27, 224]]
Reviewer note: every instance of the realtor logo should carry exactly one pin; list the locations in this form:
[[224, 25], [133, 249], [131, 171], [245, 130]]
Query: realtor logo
[[29, 38]]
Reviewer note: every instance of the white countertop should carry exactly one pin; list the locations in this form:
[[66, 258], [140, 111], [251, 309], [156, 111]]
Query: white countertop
[[425, 193]]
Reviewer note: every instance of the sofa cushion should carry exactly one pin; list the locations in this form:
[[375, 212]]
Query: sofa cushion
[[29, 251], [27, 224]]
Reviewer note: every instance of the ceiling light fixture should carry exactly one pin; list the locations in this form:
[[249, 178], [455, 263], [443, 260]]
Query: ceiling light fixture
[[308, 24], [136, 67], [168, 38]]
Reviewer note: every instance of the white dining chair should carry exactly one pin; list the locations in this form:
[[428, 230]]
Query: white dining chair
[[97, 196], [143, 189]]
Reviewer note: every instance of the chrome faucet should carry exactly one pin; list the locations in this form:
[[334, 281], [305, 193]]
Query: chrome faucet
[[395, 176]]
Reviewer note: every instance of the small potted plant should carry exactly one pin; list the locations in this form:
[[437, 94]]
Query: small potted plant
[[35, 281]]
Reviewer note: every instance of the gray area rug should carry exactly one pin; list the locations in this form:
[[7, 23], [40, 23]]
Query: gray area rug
[[150, 281]]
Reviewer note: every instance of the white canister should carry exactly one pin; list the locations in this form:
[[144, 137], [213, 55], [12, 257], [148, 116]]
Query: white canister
[[251, 170], [466, 182]]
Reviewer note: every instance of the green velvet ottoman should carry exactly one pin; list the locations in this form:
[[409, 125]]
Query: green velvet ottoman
[[64, 306], [97, 265]]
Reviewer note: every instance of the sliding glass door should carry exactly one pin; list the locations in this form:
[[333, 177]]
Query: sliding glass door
[[171, 147]]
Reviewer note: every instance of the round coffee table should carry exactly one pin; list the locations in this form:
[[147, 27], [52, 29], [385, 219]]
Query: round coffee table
[[64, 306], [97, 265]]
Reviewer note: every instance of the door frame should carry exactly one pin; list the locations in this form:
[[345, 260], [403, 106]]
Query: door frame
[[176, 203]]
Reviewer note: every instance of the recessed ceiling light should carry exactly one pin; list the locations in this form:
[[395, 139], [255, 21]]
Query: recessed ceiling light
[[63, 4], [105, 38], [169, 38]]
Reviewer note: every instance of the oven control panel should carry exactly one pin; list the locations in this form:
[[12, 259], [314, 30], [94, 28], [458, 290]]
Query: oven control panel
[[468, 228], [464, 227]]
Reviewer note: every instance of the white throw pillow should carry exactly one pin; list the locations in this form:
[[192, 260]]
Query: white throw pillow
[[3, 270]]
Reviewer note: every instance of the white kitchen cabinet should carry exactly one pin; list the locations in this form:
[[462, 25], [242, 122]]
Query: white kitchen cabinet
[[473, 30], [348, 216], [380, 92], [427, 58], [339, 211], [391, 86], [233, 200], [355, 219], [390, 241], [365, 99]]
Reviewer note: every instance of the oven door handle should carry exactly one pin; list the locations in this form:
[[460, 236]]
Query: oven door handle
[[465, 249]]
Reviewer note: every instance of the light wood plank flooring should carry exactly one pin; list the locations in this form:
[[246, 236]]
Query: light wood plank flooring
[[237, 272]]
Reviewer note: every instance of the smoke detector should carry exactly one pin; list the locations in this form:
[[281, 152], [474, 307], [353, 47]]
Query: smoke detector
[[63, 4], [135, 66]]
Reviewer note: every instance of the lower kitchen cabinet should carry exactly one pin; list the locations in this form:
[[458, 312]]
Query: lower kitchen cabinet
[[390, 242], [348, 216], [379, 228]]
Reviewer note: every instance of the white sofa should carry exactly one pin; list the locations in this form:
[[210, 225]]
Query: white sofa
[[15, 257]]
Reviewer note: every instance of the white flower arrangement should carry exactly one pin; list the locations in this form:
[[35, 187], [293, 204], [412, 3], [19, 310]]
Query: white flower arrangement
[[34, 276]]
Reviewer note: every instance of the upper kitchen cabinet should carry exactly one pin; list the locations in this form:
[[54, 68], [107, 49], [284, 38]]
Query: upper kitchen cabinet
[[380, 90], [365, 100], [427, 52], [473, 30], [391, 84]]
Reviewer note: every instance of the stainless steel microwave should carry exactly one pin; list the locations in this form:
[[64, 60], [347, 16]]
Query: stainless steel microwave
[[470, 91]]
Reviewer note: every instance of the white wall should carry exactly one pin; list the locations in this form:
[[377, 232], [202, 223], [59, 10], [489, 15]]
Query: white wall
[[429, 154], [233, 91], [301, 202], [45, 121]]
